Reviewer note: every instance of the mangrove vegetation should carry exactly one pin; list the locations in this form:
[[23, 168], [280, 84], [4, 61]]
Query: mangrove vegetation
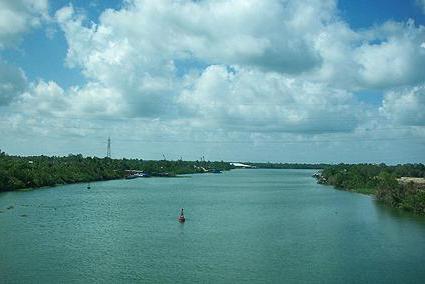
[[17, 172], [388, 183]]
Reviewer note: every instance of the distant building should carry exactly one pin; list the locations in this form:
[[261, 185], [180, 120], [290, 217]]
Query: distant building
[[240, 165]]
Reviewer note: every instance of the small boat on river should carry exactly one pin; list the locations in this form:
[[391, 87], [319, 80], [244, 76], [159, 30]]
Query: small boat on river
[[137, 175]]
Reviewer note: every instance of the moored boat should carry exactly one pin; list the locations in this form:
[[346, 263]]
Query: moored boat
[[137, 175]]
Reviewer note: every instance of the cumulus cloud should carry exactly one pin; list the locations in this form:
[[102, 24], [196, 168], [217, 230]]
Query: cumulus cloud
[[137, 50], [241, 99], [405, 106], [48, 98], [266, 34], [399, 58], [380, 57], [43, 98], [18, 17], [12, 82], [268, 65]]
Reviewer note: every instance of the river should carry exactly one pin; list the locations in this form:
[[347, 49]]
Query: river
[[258, 226]]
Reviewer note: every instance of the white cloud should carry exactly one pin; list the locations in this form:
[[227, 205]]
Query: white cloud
[[117, 61], [405, 106], [19, 16], [271, 65], [48, 98], [43, 98], [381, 57], [250, 100], [265, 34], [136, 50], [289, 37], [398, 59]]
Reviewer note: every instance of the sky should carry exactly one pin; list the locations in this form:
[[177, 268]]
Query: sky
[[306, 81]]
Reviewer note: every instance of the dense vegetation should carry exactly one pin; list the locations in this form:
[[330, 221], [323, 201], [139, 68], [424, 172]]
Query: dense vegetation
[[18, 172], [380, 180]]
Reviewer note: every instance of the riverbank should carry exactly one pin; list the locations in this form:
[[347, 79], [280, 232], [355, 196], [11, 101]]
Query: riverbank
[[400, 186], [27, 173]]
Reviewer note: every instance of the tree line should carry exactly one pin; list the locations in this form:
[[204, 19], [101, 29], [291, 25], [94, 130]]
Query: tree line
[[17, 172], [380, 180]]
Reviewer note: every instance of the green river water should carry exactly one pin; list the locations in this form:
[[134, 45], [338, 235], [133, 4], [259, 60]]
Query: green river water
[[257, 226]]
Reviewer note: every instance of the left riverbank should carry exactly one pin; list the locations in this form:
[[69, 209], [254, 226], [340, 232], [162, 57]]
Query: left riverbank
[[29, 172]]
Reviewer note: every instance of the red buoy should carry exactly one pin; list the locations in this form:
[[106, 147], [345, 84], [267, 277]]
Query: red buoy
[[181, 217]]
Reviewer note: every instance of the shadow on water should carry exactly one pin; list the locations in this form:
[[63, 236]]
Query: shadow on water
[[383, 210]]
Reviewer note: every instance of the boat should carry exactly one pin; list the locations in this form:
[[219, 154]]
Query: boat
[[137, 175]]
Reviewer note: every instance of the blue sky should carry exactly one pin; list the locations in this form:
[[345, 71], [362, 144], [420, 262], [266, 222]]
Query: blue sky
[[299, 81], [363, 13]]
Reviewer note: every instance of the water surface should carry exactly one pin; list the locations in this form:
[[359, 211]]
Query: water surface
[[260, 226]]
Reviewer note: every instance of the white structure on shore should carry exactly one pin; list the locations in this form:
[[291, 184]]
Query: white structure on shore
[[240, 165]]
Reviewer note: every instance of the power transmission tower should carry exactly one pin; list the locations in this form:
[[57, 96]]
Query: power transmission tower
[[108, 149]]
